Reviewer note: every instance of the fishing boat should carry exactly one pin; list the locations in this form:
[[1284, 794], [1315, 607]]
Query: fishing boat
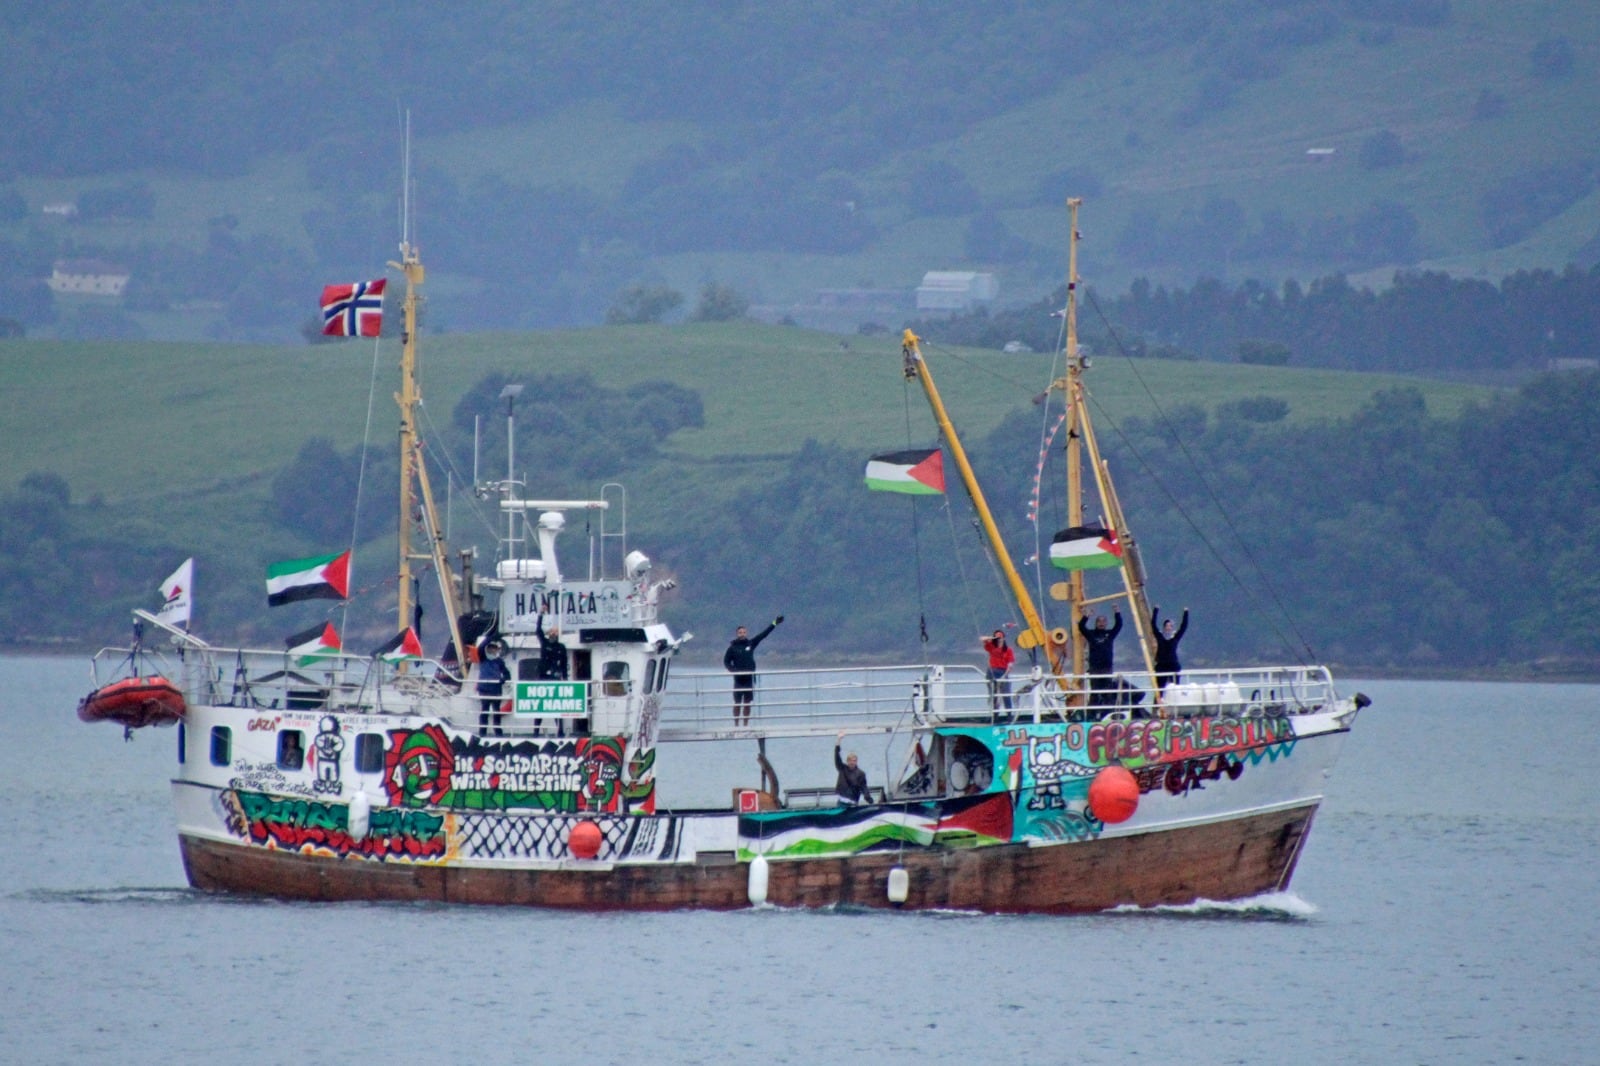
[[347, 777]]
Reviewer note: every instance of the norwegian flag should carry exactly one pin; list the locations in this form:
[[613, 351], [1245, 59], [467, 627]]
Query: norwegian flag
[[353, 310]]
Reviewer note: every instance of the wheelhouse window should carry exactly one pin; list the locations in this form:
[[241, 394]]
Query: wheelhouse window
[[291, 749], [183, 744], [221, 745], [615, 678], [650, 676], [369, 753]]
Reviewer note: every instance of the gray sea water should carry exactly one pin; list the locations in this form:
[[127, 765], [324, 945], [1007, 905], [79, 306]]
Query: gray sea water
[[1444, 911]]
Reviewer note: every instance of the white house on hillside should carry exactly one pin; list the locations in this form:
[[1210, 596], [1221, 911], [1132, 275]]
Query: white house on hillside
[[955, 290], [92, 277]]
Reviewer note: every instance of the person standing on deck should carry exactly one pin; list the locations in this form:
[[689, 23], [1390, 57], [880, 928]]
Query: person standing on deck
[[552, 663], [1102, 657], [492, 678], [1000, 659], [1167, 664], [740, 661], [852, 783]]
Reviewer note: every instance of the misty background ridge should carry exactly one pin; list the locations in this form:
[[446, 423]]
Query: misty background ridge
[[817, 158]]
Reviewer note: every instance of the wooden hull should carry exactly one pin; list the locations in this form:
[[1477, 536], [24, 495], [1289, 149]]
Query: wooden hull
[[1229, 859]]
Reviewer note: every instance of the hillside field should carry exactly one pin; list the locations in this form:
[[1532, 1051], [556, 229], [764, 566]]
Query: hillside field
[[142, 422]]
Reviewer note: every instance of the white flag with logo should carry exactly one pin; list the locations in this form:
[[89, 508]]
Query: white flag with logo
[[176, 594]]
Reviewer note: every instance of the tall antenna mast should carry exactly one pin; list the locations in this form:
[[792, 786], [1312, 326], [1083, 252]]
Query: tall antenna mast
[[1081, 439], [413, 472], [405, 186]]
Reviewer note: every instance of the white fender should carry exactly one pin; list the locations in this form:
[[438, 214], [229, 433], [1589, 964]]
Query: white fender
[[899, 884], [758, 880], [360, 816]]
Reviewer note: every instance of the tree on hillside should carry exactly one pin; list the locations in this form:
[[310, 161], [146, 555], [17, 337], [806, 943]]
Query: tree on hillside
[[720, 303], [643, 304], [315, 494], [617, 428], [1263, 353]]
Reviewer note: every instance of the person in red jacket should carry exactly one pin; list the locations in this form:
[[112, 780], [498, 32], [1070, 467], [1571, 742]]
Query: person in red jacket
[[1000, 659]]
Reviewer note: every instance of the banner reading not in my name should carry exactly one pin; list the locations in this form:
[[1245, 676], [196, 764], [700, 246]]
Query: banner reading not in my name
[[552, 699]]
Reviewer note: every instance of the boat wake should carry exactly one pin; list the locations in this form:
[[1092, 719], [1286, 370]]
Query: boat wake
[[1268, 907], [162, 895]]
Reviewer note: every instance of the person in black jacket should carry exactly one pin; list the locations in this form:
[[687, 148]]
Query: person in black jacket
[[552, 653], [552, 664], [852, 783], [740, 661], [1167, 664], [1102, 657]]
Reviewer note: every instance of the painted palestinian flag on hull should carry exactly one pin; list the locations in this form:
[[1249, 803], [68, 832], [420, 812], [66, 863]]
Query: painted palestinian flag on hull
[[325, 577], [1085, 548], [353, 310], [400, 647], [320, 641], [919, 472]]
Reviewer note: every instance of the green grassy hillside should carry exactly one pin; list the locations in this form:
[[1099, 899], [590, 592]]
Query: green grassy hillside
[[164, 422]]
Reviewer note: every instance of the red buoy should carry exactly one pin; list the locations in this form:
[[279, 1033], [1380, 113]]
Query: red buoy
[[1114, 794], [584, 840]]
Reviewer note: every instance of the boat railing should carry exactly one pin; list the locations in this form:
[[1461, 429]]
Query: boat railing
[[813, 702], [698, 705], [1245, 692], [279, 680], [110, 664]]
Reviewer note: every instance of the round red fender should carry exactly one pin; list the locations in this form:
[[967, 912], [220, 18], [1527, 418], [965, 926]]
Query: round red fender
[[1114, 794], [584, 840]]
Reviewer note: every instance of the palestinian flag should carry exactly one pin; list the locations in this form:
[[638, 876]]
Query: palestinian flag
[[318, 642], [400, 648], [326, 577], [1085, 548], [919, 473]]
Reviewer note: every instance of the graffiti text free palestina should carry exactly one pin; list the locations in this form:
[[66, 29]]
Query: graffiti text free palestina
[[1159, 740]]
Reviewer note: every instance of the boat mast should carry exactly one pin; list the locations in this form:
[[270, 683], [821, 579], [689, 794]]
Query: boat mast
[[915, 367], [413, 471], [1072, 385], [1080, 435]]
